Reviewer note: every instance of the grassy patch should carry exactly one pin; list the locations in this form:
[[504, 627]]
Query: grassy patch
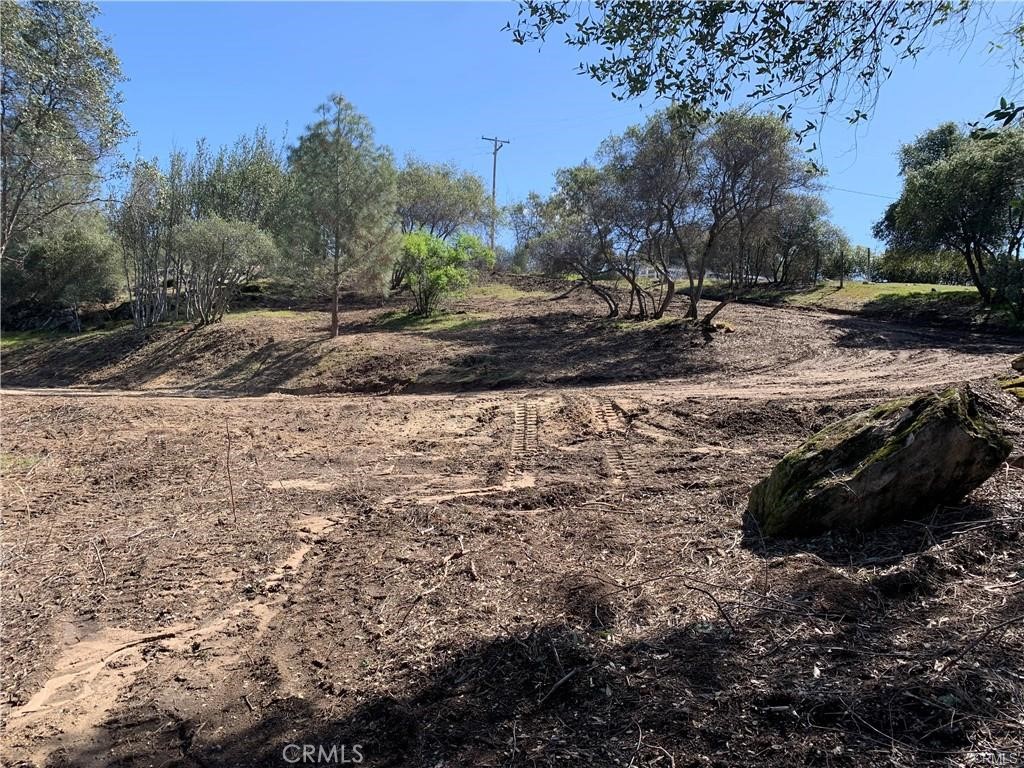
[[1014, 385], [12, 341], [896, 295], [502, 292], [12, 462], [854, 296], [441, 321], [922, 302], [249, 314], [644, 325]]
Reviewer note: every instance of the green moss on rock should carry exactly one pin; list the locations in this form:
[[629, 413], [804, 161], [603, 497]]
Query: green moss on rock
[[1014, 385], [897, 460]]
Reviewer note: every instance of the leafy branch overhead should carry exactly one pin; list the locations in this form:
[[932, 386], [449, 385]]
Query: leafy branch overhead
[[710, 54]]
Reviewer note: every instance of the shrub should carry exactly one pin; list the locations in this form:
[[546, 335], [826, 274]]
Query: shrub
[[437, 269], [61, 270]]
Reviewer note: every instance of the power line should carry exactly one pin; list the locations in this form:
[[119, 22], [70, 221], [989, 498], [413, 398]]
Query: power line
[[498, 144], [858, 192]]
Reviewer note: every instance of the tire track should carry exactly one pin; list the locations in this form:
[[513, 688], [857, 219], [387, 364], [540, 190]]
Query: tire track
[[93, 674], [621, 462], [524, 431]]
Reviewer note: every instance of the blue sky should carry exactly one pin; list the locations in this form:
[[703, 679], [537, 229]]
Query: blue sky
[[434, 77]]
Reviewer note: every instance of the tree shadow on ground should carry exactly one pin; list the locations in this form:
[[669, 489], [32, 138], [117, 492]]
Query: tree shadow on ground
[[955, 310], [565, 348], [882, 546], [534, 348], [479, 354], [862, 333], [773, 680]]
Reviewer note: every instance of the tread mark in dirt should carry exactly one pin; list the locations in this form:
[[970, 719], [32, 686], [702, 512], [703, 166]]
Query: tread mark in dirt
[[524, 430], [612, 415], [86, 683], [621, 461]]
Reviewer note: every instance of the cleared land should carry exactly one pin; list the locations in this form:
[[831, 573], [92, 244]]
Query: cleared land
[[510, 536]]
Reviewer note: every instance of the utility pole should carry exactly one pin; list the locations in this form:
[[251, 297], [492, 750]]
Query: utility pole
[[498, 144]]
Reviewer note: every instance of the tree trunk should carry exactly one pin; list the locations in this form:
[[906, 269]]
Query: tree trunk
[[670, 292], [695, 296], [976, 278], [334, 308], [613, 305], [337, 296], [710, 317], [398, 275]]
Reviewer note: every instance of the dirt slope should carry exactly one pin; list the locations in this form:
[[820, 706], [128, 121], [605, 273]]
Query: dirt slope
[[511, 339]]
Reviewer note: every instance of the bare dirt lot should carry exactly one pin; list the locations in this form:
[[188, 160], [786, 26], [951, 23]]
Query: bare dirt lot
[[514, 537]]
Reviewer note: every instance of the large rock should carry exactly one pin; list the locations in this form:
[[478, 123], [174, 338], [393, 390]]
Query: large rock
[[896, 461]]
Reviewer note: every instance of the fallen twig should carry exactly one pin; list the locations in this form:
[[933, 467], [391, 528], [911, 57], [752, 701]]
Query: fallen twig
[[99, 559], [974, 643], [565, 678]]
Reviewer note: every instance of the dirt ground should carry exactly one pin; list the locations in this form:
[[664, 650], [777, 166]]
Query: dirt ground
[[513, 539]]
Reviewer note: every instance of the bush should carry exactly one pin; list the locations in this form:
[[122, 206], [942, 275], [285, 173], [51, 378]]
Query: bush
[[61, 270], [436, 269], [216, 257], [944, 267]]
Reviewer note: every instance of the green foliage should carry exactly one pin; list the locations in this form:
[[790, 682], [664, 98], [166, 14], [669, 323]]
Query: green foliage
[[440, 199], [706, 55], [1008, 112], [439, 321], [946, 267], [527, 221], [244, 182], [139, 223], [930, 147], [675, 195], [65, 268], [343, 202], [845, 260], [60, 112], [216, 256], [437, 269], [800, 242], [965, 197], [191, 230]]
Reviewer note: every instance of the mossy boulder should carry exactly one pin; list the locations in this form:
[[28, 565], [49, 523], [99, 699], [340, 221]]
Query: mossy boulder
[[1014, 385], [896, 461]]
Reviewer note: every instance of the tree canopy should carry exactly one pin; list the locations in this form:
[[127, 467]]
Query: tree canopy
[[676, 196], [59, 112], [344, 189], [964, 194], [440, 199]]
